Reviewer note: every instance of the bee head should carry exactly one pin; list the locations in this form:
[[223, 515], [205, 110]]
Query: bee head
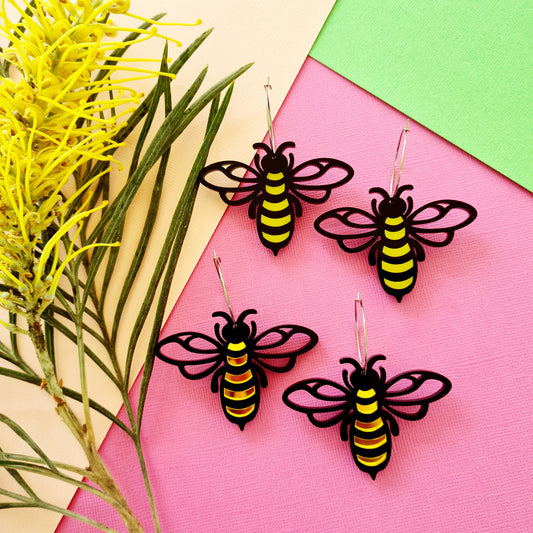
[[393, 206], [236, 331], [370, 378], [274, 162], [363, 377]]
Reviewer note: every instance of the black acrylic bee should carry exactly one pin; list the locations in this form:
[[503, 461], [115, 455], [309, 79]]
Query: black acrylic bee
[[366, 405], [239, 358], [276, 189], [395, 233]]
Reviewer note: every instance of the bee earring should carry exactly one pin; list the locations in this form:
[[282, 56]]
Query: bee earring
[[394, 232], [275, 188], [237, 357], [366, 404]]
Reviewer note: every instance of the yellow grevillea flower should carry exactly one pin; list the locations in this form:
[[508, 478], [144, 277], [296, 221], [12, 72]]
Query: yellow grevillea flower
[[54, 118]]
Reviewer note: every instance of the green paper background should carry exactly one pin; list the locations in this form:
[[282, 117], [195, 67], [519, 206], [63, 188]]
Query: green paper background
[[462, 68]]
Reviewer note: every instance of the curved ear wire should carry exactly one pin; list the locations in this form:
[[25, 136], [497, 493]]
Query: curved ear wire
[[395, 179], [216, 260], [269, 116]]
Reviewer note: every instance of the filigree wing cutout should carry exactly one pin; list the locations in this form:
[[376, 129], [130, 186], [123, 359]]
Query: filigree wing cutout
[[325, 402], [435, 223], [314, 180], [352, 228], [408, 395], [242, 191], [277, 348], [195, 354]]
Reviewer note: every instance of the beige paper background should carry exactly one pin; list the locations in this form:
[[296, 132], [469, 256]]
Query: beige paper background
[[276, 36]]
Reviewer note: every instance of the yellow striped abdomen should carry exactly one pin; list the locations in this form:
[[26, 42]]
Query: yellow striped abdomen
[[370, 439], [275, 214], [397, 264], [239, 388]]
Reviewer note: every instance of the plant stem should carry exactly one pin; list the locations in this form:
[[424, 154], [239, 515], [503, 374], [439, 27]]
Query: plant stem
[[148, 486], [97, 467]]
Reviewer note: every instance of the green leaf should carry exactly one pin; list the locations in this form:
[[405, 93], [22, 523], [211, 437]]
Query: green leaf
[[18, 478], [141, 111], [162, 88], [180, 220], [28, 440], [70, 393], [26, 502]]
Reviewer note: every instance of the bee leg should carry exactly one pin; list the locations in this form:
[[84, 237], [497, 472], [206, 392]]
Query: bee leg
[[297, 205], [263, 380], [419, 250], [393, 425], [214, 379], [373, 253], [252, 207], [344, 428]]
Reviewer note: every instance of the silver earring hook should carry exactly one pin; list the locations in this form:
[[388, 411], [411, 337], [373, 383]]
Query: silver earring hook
[[359, 301], [217, 260], [269, 116], [395, 180]]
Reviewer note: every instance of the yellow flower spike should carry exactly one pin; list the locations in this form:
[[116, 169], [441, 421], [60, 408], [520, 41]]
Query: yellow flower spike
[[152, 32], [63, 229], [24, 94], [64, 207], [161, 23], [9, 276], [61, 38], [67, 109], [28, 169], [133, 69], [59, 271], [118, 7], [51, 124], [12, 328], [5, 260], [70, 7], [15, 203], [110, 29], [85, 155]]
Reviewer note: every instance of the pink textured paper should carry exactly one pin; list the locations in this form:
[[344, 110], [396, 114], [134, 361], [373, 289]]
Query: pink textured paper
[[467, 466]]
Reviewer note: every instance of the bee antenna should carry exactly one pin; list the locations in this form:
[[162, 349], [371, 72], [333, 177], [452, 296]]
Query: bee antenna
[[399, 190], [264, 147], [375, 359], [380, 191], [244, 314], [283, 146], [350, 361]]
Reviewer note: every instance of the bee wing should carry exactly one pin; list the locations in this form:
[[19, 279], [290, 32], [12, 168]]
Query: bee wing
[[195, 354], [314, 180], [293, 341], [352, 228], [244, 189], [323, 401], [408, 395], [435, 223]]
